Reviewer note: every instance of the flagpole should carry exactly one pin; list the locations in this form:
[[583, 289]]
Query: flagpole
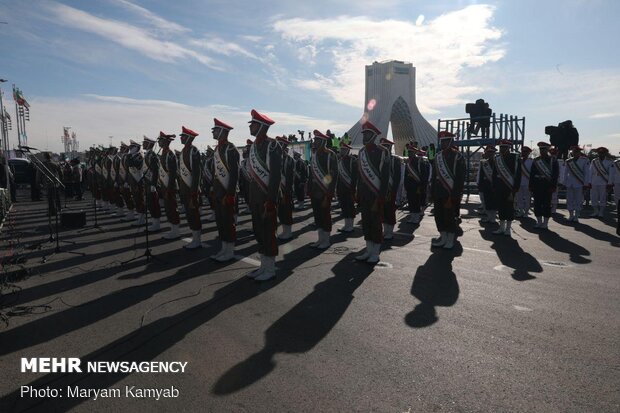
[[5, 145], [19, 133]]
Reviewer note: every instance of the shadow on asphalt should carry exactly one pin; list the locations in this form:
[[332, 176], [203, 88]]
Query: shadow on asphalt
[[512, 256], [434, 284]]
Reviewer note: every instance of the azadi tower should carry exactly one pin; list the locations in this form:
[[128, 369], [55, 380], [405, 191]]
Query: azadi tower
[[390, 97]]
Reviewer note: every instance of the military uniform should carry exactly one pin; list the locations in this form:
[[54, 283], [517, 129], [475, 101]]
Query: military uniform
[[321, 185], [372, 187], [506, 183], [168, 183], [124, 186], [285, 202], [244, 176], [485, 185], [576, 176], [265, 159], [189, 184], [389, 211], [226, 175], [417, 175], [135, 162], [599, 181], [300, 180], [115, 172], [151, 176], [346, 186], [524, 197], [543, 182], [447, 188]]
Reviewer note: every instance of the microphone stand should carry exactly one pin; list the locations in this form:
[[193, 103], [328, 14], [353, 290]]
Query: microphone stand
[[147, 252], [55, 182], [96, 224]]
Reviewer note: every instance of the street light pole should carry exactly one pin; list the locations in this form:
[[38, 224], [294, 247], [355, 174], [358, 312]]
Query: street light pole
[[5, 137]]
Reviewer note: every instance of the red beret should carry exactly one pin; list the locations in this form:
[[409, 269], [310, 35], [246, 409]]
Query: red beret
[[283, 139], [188, 132], [602, 149], [526, 149], [248, 142], [386, 141], [505, 142], [543, 144], [257, 117], [369, 126], [445, 134], [162, 135], [319, 134], [220, 124]]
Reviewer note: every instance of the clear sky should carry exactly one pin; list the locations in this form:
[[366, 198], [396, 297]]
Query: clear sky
[[128, 68]]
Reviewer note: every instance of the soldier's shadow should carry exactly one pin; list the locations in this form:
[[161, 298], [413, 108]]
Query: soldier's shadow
[[302, 327], [576, 252], [512, 255], [434, 284]]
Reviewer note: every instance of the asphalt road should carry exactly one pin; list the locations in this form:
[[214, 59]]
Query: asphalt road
[[526, 324]]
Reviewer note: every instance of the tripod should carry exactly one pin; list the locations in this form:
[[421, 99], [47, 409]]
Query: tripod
[[147, 252]]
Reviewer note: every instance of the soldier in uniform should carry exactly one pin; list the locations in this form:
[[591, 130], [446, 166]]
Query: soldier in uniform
[[226, 175], [506, 183], [543, 183], [189, 184], [346, 185], [151, 176], [576, 178], [599, 181], [244, 177], [300, 180], [447, 188], [524, 198], [76, 172], [124, 183], [389, 211], [98, 181], [110, 181], [285, 204], [485, 184], [207, 182], [168, 183], [265, 168], [321, 185], [372, 187], [104, 178], [554, 197], [417, 175], [135, 161], [614, 181]]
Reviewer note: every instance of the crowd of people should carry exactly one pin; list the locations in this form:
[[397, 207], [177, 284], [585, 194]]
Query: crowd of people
[[274, 180]]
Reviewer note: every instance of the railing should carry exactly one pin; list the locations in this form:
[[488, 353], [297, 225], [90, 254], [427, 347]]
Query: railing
[[500, 127]]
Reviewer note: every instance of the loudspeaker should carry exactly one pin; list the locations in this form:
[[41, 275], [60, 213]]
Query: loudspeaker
[[73, 219]]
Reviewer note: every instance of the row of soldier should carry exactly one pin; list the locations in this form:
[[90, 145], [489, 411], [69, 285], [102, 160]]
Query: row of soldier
[[368, 182]]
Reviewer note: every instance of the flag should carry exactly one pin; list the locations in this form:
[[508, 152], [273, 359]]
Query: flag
[[18, 96]]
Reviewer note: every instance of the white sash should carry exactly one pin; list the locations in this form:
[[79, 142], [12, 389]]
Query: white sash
[[318, 173], [576, 170], [600, 168], [221, 170], [113, 172], [487, 169], [121, 169], [524, 171], [244, 169], [105, 172], [258, 169], [98, 169], [343, 173], [504, 172], [368, 171], [542, 167], [443, 172], [414, 174], [186, 174]]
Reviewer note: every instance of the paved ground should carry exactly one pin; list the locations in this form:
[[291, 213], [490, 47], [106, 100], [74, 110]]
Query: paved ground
[[524, 324]]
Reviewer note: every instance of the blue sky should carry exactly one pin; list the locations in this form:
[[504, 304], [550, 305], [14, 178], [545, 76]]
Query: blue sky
[[128, 68]]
